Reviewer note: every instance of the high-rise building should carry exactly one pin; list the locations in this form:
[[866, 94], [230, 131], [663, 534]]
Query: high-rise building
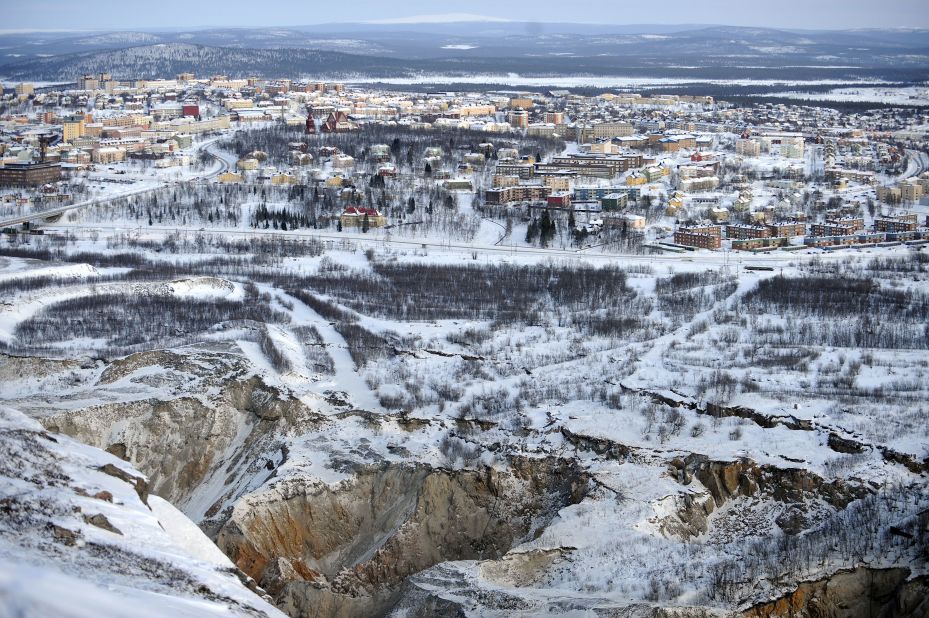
[[72, 128], [88, 82], [518, 119]]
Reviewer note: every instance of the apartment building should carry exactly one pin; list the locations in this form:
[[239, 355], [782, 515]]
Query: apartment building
[[742, 232], [585, 194], [614, 201], [859, 176], [126, 120], [674, 143], [837, 227], [108, 154], [466, 111], [557, 182], [499, 181], [754, 244], [787, 145], [515, 168], [748, 148], [702, 237], [604, 130], [29, 174], [517, 193], [600, 166], [900, 223], [356, 216], [787, 228], [911, 190], [700, 184], [541, 130], [72, 129], [518, 119]]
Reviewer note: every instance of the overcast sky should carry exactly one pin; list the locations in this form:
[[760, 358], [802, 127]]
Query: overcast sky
[[110, 14]]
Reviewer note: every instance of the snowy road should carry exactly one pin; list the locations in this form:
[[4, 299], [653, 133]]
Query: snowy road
[[377, 239]]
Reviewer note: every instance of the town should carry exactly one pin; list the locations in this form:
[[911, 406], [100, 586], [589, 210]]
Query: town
[[508, 310], [609, 172]]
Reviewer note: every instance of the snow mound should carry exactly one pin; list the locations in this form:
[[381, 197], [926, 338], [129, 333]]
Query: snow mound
[[203, 288], [69, 271]]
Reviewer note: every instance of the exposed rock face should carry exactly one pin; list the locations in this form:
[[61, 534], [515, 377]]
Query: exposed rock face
[[727, 480], [385, 538], [858, 593], [186, 444], [521, 569], [125, 366], [344, 550], [18, 367], [158, 437]]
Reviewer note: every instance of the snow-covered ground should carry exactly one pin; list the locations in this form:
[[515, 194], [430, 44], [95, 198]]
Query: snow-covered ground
[[910, 95], [81, 538], [624, 406]]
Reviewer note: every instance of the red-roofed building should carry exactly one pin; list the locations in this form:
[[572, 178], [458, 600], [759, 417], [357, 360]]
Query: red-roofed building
[[338, 122], [354, 216]]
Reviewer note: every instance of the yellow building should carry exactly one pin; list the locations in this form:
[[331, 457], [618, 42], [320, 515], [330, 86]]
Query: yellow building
[[500, 181], [466, 111], [229, 178], [655, 172], [603, 148], [557, 183], [72, 129], [911, 190], [719, 215], [109, 154], [355, 216], [283, 179], [231, 104]]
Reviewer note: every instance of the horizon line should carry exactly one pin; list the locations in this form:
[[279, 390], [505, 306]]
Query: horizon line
[[427, 20]]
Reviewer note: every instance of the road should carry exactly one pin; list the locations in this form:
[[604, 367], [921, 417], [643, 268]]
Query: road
[[224, 165], [917, 162]]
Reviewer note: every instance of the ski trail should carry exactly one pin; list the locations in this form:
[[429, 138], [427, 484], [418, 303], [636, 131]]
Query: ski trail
[[346, 377]]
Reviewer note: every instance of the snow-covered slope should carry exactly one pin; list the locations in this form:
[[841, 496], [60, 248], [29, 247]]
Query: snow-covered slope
[[81, 537], [392, 433]]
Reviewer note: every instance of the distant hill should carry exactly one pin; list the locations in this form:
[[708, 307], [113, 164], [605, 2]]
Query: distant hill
[[714, 52], [168, 59]]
